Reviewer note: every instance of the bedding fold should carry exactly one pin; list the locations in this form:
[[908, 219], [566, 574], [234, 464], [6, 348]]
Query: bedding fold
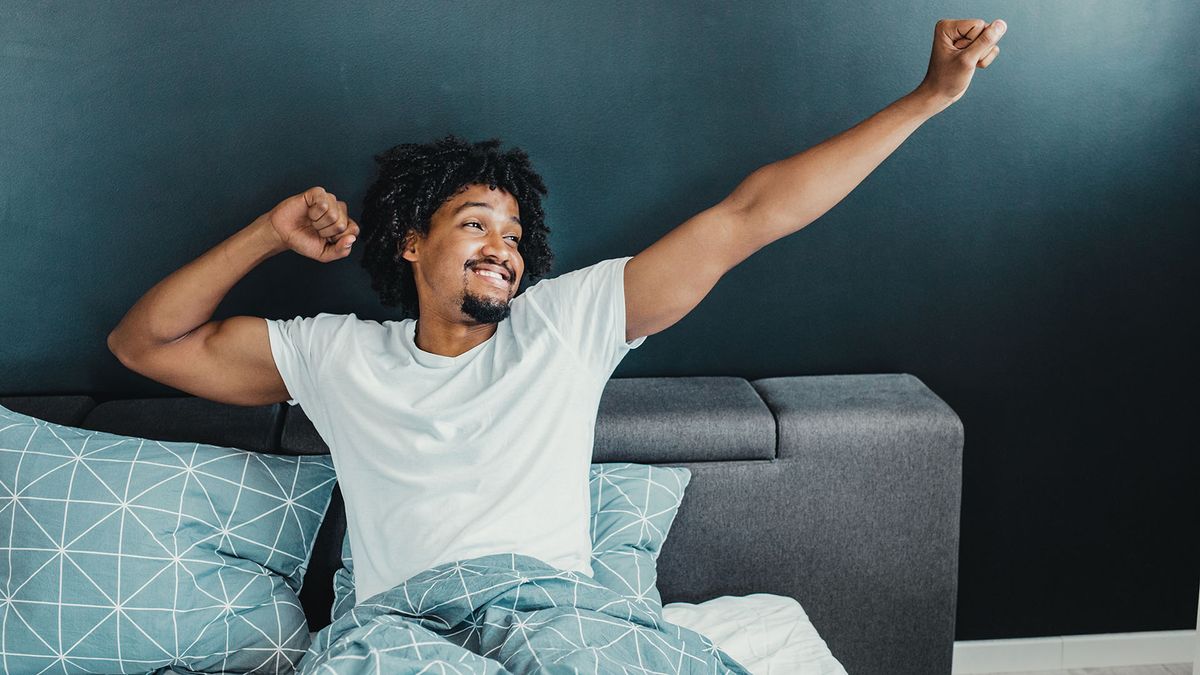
[[508, 614]]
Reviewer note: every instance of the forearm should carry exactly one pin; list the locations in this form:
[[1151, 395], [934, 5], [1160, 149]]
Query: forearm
[[783, 197], [188, 297]]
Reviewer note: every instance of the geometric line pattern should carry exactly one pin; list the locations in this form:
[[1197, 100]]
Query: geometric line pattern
[[508, 613], [632, 509], [127, 555]]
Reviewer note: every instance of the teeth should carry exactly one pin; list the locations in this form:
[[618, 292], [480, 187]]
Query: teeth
[[490, 274]]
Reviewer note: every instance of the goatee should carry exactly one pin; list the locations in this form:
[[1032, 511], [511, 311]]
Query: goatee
[[484, 310]]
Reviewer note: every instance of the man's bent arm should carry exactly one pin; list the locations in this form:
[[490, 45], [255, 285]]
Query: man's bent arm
[[168, 335], [187, 298]]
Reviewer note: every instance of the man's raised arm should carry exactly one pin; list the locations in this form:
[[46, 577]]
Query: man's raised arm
[[167, 336], [668, 279]]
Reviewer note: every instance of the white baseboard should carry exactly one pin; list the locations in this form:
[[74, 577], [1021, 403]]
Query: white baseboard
[[1074, 651]]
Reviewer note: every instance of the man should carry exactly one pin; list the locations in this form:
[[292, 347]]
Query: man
[[467, 430]]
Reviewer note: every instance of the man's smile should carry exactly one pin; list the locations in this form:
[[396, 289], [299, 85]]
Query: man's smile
[[492, 274], [492, 277]]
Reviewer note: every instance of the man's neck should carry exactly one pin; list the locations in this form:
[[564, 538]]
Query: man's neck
[[450, 339]]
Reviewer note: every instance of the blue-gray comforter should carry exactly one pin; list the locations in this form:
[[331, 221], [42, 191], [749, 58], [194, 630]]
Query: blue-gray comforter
[[507, 614]]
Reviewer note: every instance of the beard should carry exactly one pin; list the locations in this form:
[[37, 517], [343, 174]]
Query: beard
[[484, 309]]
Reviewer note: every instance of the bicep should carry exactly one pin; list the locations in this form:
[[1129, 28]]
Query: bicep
[[668, 279], [227, 361]]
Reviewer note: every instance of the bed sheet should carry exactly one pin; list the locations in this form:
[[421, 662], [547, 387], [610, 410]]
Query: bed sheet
[[768, 634]]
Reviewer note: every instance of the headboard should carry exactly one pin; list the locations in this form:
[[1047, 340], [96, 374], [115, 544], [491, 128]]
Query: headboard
[[840, 491]]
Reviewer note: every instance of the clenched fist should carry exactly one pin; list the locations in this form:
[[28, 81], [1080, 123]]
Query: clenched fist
[[959, 47], [313, 223]]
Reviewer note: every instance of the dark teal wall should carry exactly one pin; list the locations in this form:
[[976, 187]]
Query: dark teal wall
[[1026, 253]]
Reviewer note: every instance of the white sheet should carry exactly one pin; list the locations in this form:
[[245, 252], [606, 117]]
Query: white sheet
[[768, 634]]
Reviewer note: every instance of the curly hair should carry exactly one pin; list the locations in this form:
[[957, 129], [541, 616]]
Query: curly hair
[[415, 179]]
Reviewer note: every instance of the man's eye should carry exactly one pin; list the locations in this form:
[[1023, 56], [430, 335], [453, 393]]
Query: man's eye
[[515, 238]]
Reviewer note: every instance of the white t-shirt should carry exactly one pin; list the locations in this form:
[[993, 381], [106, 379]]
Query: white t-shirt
[[444, 458]]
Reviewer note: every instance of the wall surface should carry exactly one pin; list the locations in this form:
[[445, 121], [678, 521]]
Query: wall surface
[[1026, 253]]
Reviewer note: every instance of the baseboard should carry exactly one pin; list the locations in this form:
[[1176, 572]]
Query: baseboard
[[1074, 651]]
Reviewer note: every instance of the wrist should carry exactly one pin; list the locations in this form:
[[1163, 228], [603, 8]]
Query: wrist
[[265, 235], [926, 102]]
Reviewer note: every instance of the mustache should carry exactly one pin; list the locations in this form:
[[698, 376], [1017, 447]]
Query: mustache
[[507, 270]]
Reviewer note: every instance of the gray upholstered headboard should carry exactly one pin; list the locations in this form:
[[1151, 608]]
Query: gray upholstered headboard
[[840, 491]]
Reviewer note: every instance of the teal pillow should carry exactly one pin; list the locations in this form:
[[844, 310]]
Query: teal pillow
[[126, 555], [633, 507]]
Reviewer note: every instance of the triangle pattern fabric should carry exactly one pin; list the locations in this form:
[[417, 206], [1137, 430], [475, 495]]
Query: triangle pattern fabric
[[128, 555]]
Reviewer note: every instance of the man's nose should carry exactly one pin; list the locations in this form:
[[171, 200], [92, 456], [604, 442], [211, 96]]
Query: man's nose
[[496, 245]]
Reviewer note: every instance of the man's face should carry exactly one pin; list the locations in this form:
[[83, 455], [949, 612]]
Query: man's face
[[474, 231]]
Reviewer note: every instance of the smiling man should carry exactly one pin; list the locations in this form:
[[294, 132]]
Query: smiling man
[[497, 276], [465, 429]]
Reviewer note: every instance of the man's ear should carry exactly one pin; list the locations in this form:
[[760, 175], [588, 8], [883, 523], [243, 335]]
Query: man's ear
[[407, 248]]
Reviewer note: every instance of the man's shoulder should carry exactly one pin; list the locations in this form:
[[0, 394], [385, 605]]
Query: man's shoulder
[[330, 324], [349, 319], [580, 277]]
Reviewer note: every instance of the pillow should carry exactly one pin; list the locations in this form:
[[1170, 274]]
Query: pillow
[[633, 507], [127, 555]]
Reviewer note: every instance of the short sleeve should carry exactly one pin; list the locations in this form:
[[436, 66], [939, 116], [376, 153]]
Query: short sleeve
[[587, 308], [302, 347]]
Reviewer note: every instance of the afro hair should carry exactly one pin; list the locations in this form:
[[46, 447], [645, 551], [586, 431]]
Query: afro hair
[[415, 180]]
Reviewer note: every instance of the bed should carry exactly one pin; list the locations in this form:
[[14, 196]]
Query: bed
[[818, 531]]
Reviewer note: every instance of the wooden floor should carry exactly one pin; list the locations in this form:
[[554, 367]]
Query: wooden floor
[[1169, 669]]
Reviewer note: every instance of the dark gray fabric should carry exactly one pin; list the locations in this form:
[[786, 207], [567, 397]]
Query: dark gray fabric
[[872, 466], [299, 436], [651, 420], [317, 593], [66, 410], [840, 491], [188, 418]]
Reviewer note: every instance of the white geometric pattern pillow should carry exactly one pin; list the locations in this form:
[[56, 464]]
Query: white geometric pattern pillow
[[125, 555], [633, 507]]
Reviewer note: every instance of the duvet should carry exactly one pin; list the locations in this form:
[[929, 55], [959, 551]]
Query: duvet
[[508, 614]]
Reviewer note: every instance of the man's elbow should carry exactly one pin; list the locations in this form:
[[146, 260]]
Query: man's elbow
[[120, 348], [114, 346]]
